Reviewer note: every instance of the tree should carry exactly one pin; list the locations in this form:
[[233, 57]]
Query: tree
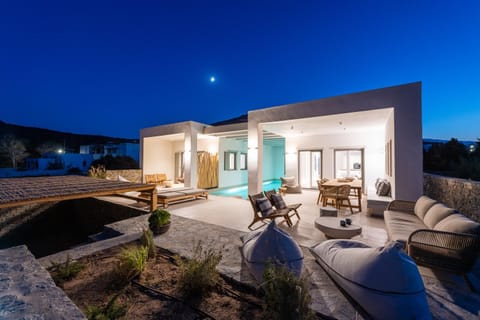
[[13, 148], [48, 146]]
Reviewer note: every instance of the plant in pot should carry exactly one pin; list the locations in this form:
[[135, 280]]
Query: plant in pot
[[159, 221]]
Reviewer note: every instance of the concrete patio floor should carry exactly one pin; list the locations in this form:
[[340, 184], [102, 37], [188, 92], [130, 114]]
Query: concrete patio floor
[[448, 294]]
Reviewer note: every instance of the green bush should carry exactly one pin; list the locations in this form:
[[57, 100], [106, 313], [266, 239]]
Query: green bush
[[97, 172], [111, 311], [199, 275], [132, 262], [147, 241], [286, 296], [65, 271], [158, 217]]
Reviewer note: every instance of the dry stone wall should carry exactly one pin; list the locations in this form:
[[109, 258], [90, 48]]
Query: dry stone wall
[[133, 175], [463, 195]]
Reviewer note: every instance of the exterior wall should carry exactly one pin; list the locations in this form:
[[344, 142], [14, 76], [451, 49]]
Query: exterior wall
[[273, 162], [460, 194], [372, 143], [406, 103], [158, 157], [228, 178]]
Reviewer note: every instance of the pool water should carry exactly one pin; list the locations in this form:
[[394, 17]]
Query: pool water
[[242, 191]]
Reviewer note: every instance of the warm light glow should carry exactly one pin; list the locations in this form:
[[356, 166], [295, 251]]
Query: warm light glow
[[60, 151], [212, 79]]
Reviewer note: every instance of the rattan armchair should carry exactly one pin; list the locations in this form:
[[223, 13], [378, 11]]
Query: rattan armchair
[[453, 252], [292, 208]]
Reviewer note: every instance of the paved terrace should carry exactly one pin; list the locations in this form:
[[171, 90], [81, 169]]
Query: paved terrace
[[220, 222]]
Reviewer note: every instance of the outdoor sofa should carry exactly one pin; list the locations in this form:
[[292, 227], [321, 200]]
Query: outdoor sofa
[[433, 234]]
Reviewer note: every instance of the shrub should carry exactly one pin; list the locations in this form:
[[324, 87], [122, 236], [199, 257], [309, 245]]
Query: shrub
[[199, 275], [97, 172], [132, 262], [147, 241], [286, 296], [65, 271], [110, 312]]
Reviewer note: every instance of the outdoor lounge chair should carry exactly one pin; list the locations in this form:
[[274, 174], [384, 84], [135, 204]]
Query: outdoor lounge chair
[[291, 207], [275, 213], [291, 185]]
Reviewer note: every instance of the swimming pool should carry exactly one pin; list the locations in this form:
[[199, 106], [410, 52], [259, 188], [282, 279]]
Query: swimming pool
[[242, 191]]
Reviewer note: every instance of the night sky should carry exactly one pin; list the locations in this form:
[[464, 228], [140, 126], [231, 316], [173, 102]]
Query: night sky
[[114, 67]]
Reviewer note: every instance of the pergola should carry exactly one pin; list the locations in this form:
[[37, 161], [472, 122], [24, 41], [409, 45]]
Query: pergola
[[28, 190]]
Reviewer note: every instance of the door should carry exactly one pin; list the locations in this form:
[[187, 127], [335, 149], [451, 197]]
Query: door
[[309, 168], [349, 163]]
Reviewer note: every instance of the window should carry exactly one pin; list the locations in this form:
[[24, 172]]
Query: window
[[349, 163], [243, 161], [230, 161]]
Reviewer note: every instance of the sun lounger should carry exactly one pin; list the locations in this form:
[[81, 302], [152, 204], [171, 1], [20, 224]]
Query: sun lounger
[[168, 197]]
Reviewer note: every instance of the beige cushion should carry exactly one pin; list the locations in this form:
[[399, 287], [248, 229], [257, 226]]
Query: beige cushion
[[400, 225], [436, 213], [458, 223], [422, 205], [288, 181]]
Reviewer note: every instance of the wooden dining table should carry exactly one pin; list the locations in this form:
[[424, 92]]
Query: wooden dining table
[[355, 185]]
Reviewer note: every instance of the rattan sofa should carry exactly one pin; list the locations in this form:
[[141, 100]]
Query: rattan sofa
[[433, 234]]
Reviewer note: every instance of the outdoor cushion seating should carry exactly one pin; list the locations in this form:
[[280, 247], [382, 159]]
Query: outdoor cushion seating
[[257, 212], [278, 202], [381, 283], [157, 179], [433, 234], [271, 245], [166, 198], [291, 185]]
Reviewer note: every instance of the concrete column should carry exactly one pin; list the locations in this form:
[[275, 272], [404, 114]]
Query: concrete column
[[190, 157], [255, 156]]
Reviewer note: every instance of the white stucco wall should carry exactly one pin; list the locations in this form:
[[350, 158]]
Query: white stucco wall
[[158, 156]]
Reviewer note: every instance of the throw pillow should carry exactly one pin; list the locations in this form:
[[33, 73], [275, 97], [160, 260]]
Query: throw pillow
[[265, 206], [436, 213], [422, 205], [288, 181], [120, 178], [383, 189], [458, 223], [278, 201]]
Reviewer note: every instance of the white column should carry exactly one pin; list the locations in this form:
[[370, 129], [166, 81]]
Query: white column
[[255, 156], [190, 157]]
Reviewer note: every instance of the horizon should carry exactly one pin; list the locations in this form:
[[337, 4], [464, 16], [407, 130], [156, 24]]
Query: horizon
[[113, 68]]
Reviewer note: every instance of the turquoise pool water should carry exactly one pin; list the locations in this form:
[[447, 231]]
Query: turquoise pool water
[[242, 191]]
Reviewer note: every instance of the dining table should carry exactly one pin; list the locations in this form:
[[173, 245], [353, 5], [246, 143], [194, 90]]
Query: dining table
[[355, 186]]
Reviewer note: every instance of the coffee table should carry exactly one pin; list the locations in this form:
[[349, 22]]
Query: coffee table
[[331, 227]]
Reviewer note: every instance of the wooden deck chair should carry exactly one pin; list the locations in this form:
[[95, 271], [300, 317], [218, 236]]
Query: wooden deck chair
[[257, 214], [291, 207]]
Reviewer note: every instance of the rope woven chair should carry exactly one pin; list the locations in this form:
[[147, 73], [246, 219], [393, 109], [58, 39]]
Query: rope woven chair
[[257, 215]]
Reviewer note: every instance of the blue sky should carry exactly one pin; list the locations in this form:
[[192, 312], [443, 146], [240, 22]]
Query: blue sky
[[114, 67]]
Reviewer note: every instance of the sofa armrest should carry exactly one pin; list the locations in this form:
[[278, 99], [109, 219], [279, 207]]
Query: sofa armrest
[[452, 251], [401, 205]]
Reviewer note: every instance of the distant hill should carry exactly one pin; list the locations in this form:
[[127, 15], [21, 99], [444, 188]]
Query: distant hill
[[34, 137]]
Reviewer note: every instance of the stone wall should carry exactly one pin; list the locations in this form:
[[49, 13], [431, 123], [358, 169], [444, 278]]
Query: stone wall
[[463, 195], [28, 292], [133, 175]]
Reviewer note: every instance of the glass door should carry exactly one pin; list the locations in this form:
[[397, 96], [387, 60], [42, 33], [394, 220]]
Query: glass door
[[309, 168], [349, 163]]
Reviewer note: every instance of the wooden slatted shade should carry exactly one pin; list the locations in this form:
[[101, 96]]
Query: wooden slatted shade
[[21, 191]]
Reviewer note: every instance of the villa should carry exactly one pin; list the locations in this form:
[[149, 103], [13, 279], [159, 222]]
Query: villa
[[366, 135]]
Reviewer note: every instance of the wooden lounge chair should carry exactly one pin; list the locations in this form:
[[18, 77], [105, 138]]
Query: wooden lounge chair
[[291, 207], [257, 215]]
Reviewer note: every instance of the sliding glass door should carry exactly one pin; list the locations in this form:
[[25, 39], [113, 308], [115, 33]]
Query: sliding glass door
[[309, 168], [349, 163]]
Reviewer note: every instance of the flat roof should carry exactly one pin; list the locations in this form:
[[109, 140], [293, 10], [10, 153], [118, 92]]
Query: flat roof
[[21, 191]]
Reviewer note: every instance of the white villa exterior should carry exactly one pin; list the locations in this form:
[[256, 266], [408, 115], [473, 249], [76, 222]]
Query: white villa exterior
[[371, 134]]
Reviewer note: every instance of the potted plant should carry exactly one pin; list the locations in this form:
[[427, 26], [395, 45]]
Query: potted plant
[[159, 221]]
